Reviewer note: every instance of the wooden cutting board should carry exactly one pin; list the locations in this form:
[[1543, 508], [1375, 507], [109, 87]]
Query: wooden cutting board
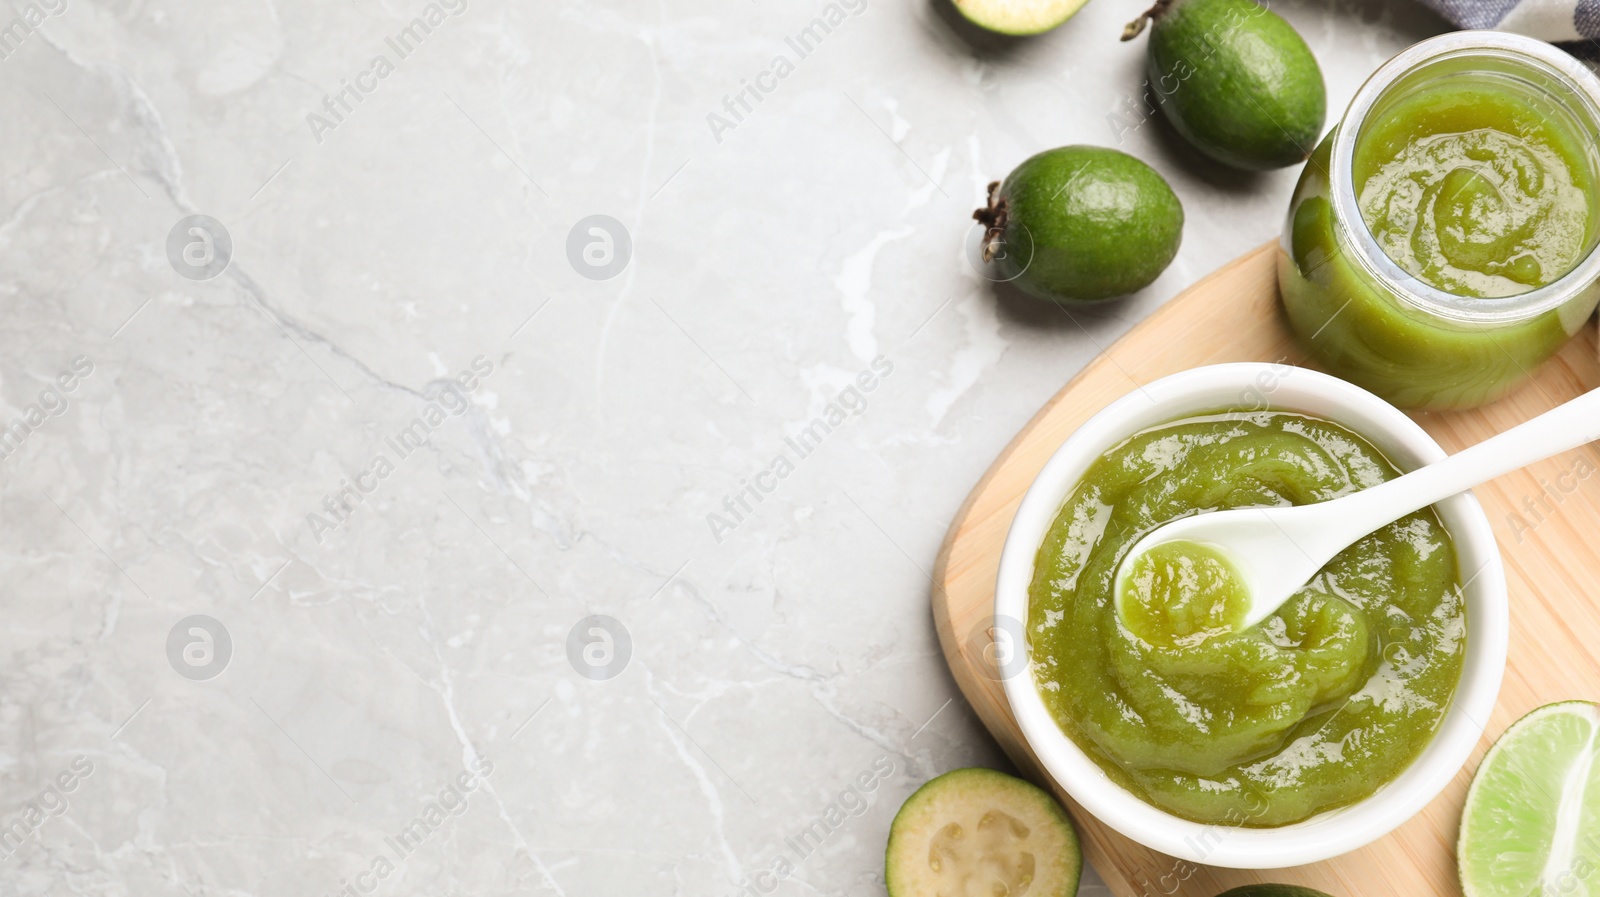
[[1547, 520]]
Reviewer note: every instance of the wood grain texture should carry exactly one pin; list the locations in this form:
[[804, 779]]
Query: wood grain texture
[[1547, 520]]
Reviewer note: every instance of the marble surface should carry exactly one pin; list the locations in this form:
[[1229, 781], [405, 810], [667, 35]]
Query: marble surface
[[527, 660]]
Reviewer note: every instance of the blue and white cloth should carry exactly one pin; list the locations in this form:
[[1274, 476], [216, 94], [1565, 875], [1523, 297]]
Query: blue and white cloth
[[1557, 21]]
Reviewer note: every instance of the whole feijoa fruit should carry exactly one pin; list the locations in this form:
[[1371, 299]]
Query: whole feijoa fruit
[[1080, 224], [1235, 80], [1018, 17]]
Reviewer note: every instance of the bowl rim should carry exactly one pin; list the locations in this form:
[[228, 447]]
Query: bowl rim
[[1259, 386]]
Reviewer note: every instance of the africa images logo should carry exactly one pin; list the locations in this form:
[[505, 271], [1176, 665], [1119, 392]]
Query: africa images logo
[[448, 803], [199, 247], [599, 647], [599, 247], [48, 803], [199, 647], [755, 89]]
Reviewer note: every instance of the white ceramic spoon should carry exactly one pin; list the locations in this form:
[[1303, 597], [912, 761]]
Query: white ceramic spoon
[[1278, 550]]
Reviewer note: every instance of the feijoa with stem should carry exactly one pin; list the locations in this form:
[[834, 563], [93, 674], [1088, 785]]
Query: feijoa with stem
[[1080, 224], [1235, 80]]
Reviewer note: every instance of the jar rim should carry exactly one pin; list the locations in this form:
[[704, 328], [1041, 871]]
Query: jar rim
[[1518, 48]]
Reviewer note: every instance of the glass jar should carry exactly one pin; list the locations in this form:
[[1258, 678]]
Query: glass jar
[[1366, 318]]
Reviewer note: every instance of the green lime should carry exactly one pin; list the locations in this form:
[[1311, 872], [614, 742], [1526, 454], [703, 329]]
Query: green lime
[[1080, 224], [978, 833], [1018, 17], [1532, 820], [1235, 80]]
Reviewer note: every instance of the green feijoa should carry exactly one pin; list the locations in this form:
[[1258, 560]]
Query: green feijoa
[[1018, 17], [1080, 224], [1235, 80], [980, 832]]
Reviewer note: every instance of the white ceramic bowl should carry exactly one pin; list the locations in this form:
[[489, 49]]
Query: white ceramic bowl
[[1286, 388]]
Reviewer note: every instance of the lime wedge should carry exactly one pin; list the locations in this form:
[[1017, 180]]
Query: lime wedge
[[1532, 820]]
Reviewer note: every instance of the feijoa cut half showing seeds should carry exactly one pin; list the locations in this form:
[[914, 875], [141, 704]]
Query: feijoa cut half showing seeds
[[978, 833], [1235, 80], [1018, 17], [1080, 224]]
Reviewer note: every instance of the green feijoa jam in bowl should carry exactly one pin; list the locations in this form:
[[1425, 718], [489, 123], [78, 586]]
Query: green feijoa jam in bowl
[[1315, 708], [1308, 735]]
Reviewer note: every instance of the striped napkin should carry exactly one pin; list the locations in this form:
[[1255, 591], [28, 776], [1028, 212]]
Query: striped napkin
[[1557, 21]]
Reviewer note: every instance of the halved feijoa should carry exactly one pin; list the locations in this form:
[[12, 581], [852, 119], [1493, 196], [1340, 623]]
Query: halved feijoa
[[981, 833], [1018, 17]]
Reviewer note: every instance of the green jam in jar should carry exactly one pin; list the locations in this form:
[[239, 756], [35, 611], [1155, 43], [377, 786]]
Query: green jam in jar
[[1317, 706], [1441, 242], [1475, 190]]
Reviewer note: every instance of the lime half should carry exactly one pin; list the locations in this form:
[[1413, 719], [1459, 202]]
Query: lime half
[[1532, 820]]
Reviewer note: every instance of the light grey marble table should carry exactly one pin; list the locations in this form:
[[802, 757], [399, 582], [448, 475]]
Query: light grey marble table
[[384, 560]]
